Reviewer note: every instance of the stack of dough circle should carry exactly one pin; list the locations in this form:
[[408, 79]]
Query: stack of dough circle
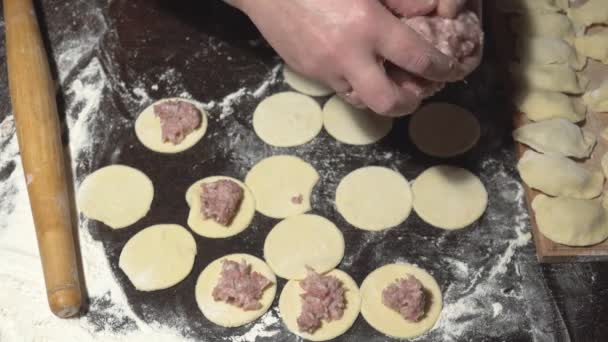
[[374, 198], [158, 257], [116, 195], [277, 181], [388, 321], [290, 307], [449, 197], [287, 119], [444, 130], [208, 227], [354, 126], [303, 84], [222, 313], [149, 132], [303, 241]]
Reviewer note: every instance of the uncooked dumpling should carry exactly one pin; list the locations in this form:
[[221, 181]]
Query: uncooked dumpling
[[547, 50], [559, 176], [593, 45], [527, 6], [556, 77], [592, 12], [554, 25], [569, 221], [597, 99], [556, 136], [542, 105]]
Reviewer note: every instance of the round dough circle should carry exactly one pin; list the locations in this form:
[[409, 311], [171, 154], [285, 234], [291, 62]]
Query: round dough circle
[[149, 132], [374, 198], [210, 228], [449, 197], [276, 181], [354, 126], [158, 257], [384, 319], [287, 119], [444, 130], [290, 307], [300, 241], [222, 313], [304, 84], [116, 195]]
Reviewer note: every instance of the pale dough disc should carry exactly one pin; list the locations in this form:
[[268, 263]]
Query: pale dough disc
[[116, 195], [149, 133], [287, 119], [300, 241], [304, 84], [444, 130], [210, 228], [290, 307], [354, 126], [388, 321], [449, 197], [158, 257], [222, 313], [276, 181], [374, 198]]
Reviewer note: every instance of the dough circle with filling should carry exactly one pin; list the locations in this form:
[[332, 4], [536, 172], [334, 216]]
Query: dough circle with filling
[[222, 313], [149, 132], [300, 241], [388, 321], [158, 257], [374, 198], [116, 195], [304, 84], [287, 119], [208, 227], [290, 307]]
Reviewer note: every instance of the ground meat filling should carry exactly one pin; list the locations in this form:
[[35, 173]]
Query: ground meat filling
[[177, 120], [406, 296], [221, 200], [323, 299], [239, 286]]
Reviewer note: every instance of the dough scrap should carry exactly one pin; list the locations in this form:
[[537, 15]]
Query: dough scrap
[[528, 6], [556, 136], [547, 51], [354, 126], [449, 197], [597, 99], [570, 221], [593, 45], [116, 195], [290, 306], [555, 77], [387, 321], [304, 84], [559, 176], [534, 24], [592, 12], [374, 198], [542, 105], [444, 130], [287, 119], [158, 257], [301, 241], [149, 132], [208, 227], [222, 313], [277, 180]]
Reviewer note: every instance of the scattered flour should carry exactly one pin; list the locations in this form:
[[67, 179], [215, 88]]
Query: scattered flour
[[496, 309]]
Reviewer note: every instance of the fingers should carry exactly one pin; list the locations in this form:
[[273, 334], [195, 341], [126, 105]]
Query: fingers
[[450, 8], [411, 8]]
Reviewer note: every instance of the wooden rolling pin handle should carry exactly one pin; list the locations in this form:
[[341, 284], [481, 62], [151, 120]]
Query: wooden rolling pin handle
[[38, 131]]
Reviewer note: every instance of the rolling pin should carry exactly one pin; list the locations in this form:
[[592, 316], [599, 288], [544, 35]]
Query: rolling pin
[[32, 93]]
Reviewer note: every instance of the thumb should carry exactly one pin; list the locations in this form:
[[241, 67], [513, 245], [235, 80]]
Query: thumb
[[411, 8]]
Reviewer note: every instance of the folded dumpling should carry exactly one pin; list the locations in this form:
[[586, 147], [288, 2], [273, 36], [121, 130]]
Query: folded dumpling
[[556, 136], [542, 105]]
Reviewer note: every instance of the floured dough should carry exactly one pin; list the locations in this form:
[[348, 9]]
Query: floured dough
[[449, 197], [569, 221], [593, 45], [559, 176], [388, 321], [222, 313], [290, 307], [354, 126], [542, 105], [287, 119], [149, 133], [528, 6], [444, 130], [305, 85], [556, 136], [278, 183], [116, 195], [208, 227], [604, 164], [158, 257], [300, 241], [548, 50], [555, 77], [592, 12], [533, 24], [374, 198], [597, 99]]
